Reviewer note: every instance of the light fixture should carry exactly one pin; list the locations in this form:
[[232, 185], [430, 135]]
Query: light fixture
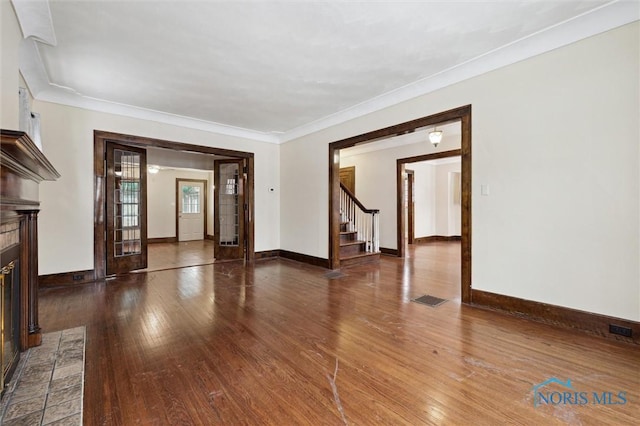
[[153, 169], [435, 136]]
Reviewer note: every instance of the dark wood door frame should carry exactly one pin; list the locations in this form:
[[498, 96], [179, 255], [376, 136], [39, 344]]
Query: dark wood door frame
[[462, 114], [204, 209], [400, 169], [410, 207], [100, 139]]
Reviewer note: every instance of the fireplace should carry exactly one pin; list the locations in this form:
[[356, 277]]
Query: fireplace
[[22, 167], [9, 300]]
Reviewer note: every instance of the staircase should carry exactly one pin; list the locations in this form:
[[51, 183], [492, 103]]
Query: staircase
[[359, 231]]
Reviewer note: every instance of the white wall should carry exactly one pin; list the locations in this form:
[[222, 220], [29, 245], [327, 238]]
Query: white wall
[[448, 218], [435, 210], [424, 198], [67, 204], [10, 36], [161, 201], [556, 138]]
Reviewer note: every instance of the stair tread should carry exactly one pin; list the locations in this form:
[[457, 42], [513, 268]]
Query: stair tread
[[351, 243]]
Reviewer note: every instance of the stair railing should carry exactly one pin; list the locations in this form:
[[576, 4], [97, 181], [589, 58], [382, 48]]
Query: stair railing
[[364, 221]]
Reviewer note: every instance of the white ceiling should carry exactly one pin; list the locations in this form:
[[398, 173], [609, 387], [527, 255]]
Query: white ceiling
[[277, 70]]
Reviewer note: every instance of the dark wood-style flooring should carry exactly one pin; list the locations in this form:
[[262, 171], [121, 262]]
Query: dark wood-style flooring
[[281, 343], [178, 255]]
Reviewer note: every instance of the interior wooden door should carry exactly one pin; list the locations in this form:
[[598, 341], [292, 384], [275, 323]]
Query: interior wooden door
[[126, 208], [230, 209], [348, 178]]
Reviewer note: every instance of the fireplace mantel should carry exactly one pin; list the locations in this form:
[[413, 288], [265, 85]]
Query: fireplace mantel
[[22, 167]]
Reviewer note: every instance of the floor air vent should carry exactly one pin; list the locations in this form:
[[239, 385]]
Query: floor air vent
[[429, 300], [334, 275]]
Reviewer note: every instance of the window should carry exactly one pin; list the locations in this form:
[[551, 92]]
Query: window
[[190, 199]]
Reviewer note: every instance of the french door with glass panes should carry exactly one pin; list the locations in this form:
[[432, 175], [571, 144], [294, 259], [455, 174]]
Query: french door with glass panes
[[126, 208], [229, 209]]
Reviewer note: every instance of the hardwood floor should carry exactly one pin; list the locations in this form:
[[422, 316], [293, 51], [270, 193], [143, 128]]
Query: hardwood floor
[[178, 255], [281, 343]]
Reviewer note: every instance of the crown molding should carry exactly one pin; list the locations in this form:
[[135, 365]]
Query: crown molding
[[593, 22], [607, 17], [68, 97]]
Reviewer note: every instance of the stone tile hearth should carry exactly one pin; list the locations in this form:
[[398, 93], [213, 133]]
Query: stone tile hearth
[[47, 386]]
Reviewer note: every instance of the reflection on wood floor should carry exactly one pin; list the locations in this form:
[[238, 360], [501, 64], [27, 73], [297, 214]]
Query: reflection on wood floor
[[281, 343], [178, 255]]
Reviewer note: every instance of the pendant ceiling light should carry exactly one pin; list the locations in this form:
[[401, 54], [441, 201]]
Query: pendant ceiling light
[[435, 136]]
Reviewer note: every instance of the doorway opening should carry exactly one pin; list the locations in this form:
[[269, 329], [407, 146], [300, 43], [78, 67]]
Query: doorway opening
[[104, 172], [462, 115]]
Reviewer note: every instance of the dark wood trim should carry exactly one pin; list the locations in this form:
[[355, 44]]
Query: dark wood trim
[[400, 170], [465, 208], [267, 254], [411, 222], [429, 157], [162, 240], [66, 278], [24, 158], [402, 128], [23, 167], [210, 237], [465, 153], [9, 203], [434, 238], [101, 137], [389, 251], [99, 188], [556, 315], [30, 293], [205, 182], [462, 114], [305, 258], [334, 206], [249, 231], [144, 142]]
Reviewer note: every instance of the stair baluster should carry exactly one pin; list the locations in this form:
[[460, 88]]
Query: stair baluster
[[365, 222]]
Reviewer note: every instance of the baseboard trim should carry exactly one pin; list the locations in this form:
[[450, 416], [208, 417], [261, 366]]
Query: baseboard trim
[[209, 237], [588, 322], [66, 278], [162, 240], [267, 254], [389, 251], [305, 258], [434, 238]]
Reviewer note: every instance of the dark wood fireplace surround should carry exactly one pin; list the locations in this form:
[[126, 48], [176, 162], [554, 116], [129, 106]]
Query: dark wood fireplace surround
[[22, 167]]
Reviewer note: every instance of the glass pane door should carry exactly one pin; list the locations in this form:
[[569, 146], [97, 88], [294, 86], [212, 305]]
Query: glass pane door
[[229, 209], [126, 203], [126, 218]]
